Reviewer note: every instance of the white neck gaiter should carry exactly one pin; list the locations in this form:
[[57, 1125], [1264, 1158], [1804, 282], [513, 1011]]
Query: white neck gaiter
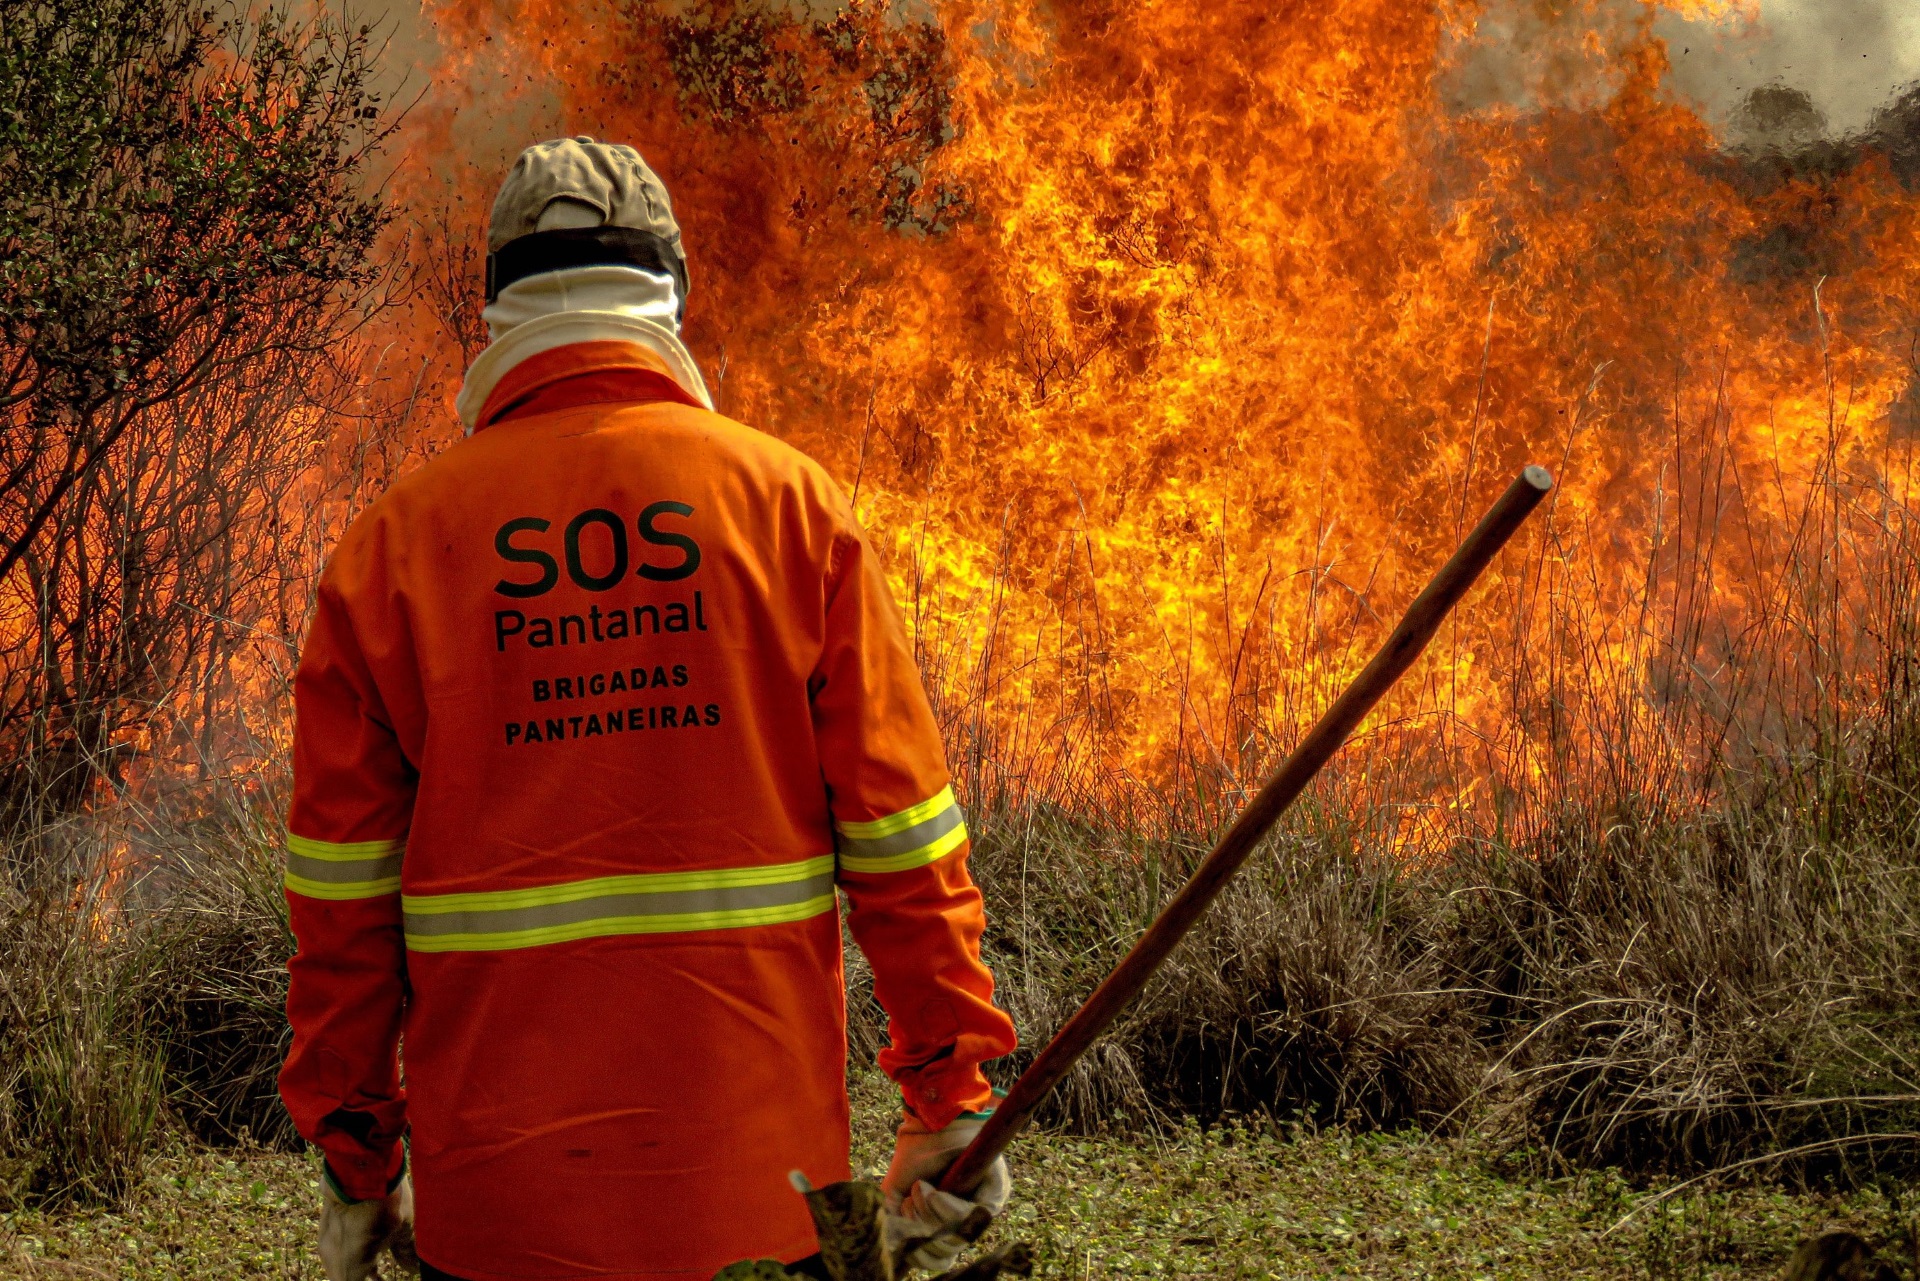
[[575, 305]]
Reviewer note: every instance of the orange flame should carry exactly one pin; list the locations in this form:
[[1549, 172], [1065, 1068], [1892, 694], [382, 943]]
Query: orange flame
[[1167, 347]]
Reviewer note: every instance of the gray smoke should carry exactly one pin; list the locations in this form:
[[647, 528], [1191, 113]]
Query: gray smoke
[[1846, 58], [1531, 55]]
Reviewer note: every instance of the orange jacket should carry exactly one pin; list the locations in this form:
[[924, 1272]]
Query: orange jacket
[[601, 711]]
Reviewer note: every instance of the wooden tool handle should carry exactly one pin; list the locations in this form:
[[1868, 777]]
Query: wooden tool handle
[[1422, 620]]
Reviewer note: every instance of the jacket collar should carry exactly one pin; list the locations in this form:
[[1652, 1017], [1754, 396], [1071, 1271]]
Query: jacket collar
[[579, 374], [576, 306]]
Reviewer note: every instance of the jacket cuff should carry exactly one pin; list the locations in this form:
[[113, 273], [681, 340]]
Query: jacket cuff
[[981, 1114], [364, 1176], [938, 1099]]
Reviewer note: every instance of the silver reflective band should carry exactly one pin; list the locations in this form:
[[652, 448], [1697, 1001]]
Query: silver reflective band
[[657, 903], [362, 871]]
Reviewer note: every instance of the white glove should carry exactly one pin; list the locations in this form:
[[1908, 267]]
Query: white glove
[[916, 1208], [353, 1232]]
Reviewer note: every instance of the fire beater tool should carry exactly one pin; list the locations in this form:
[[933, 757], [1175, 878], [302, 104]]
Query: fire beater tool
[[845, 1213]]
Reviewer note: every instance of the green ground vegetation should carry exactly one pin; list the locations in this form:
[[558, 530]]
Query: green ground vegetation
[[1252, 1200]]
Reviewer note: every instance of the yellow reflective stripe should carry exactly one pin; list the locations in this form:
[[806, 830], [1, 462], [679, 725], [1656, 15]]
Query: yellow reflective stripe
[[352, 852], [341, 891], [603, 886], [909, 817], [916, 836], [339, 871], [643, 903], [605, 926], [933, 852]]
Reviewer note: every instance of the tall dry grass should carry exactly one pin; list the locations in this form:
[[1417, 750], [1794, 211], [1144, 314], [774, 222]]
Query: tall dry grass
[[1668, 998], [203, 959], [81, 1082]]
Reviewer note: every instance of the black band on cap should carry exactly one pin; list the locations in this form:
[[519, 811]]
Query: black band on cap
[[544, 251]]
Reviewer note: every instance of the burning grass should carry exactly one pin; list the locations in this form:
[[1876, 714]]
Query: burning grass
[[1649, 1046], [1166, 349]]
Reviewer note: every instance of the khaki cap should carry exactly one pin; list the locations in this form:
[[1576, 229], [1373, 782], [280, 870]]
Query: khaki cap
[[629, 219], [607, 176]]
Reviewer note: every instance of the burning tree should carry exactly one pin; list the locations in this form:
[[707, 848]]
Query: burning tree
[[186, 227]]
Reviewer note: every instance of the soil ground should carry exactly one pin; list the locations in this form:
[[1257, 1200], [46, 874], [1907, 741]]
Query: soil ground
[[1250, 1201]]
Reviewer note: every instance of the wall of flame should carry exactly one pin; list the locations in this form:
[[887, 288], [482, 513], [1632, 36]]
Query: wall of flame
[[1168, 346]]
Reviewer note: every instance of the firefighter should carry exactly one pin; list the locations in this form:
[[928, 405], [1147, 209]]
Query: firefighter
[[602, 712]]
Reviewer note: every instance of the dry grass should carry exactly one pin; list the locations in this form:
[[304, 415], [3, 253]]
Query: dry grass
[[1690, 975], [205, 963], [81, 1084], [1666, 999]]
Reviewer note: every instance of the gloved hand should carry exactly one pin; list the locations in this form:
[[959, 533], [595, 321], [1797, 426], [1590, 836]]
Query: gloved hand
[[916, 1208], [353, 1232]]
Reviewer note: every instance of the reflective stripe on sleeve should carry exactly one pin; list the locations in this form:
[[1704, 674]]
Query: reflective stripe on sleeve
[[362, 869], [649, 903], [915, 837]]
